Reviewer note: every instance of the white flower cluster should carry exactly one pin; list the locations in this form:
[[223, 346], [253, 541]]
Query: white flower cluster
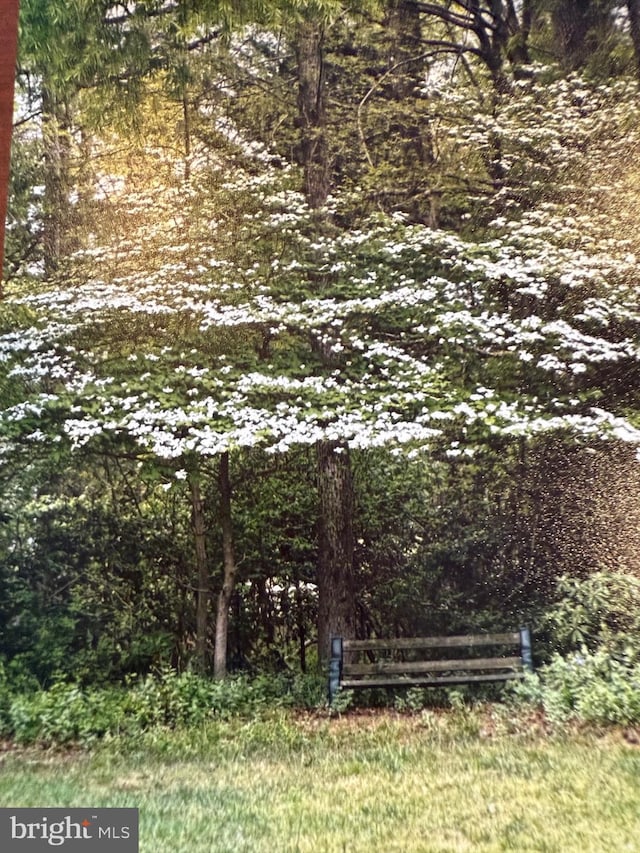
[[266, 333]]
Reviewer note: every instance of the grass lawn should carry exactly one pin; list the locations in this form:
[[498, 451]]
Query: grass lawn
[[363, 783]]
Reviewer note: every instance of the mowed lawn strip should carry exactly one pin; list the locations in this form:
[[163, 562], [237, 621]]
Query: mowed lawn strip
[[387, 783]]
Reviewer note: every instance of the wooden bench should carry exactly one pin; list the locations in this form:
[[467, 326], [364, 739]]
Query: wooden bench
[[428, 661]]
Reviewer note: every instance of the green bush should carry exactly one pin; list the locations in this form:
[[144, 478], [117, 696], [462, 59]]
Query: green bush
[[601, 610], [70, 713], [594, 675], [65, 713], [589, 686]]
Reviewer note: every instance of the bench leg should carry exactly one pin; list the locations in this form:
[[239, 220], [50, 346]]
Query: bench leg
[[526, 651], [335, 667]]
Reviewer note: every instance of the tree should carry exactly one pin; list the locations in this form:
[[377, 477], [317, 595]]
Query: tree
[[202, 572], [426, 336], [495, 33], [229, 569], [336, 582], [633, 8], [8, 51], [580, 29]]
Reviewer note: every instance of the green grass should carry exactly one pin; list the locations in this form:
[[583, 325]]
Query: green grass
[[431, 783]]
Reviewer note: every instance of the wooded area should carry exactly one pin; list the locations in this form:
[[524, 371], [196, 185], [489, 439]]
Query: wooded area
[[320, 318]]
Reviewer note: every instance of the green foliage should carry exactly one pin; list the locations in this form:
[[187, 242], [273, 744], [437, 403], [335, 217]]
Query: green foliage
[[63, 714], [275, 505], [342, 701], [464, 702], [414, 699], [70, 713], [599, 611], [89, 593], [594, 675], [444, 544], [23, 247], [588, 686]]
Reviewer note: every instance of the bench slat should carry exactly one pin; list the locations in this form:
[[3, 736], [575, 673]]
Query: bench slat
[[432, 642], [382, 667], [442, 679]]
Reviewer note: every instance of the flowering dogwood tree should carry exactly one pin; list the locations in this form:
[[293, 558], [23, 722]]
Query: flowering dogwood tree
[[195, 328]]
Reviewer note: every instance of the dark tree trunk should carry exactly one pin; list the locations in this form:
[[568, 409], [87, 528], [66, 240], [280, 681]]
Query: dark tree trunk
[[57, 212], [520, 52], [633, 8], [8, 52], [404, 27], [335, 560], [574, 21], [409, 144], [314, 151], [186, 117], [202, 573], [570, 28], [336, 586], [492, 38], [229, 567]]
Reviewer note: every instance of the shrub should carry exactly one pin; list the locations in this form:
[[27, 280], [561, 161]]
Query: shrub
[[67, 712], [601, 610], [64, 713], [592, 687], [594, 675]]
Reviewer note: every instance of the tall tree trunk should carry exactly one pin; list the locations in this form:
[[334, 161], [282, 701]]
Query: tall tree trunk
[[492, 39], [314, 152], [574, 21], [8, 52], [55, 120], [520, 54], [633, 8], [186, 117], [335, 562], [229, 568], [336, 582], [202, 572], [404, 27], [409, 142]]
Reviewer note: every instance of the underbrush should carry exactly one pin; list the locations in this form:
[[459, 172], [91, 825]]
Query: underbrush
[[591, 689], [587, 687], [68, 713], [593, 678]]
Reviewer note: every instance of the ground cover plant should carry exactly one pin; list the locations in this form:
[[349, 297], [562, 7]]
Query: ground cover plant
[[69, 713], [431, 782]]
